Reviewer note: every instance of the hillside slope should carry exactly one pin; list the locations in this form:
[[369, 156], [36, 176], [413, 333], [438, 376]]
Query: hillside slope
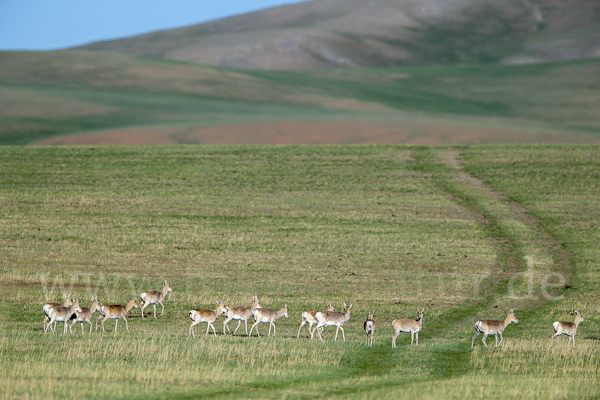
[[325, 33]]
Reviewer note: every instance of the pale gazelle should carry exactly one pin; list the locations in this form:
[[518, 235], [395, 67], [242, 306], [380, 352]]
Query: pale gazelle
[[205, 315], [240, 313], [370, 328], [115, 312], [332, 318], [46, 308], [155, 297], [493, 327], [62, 314], [308, 317], [567, 328], [412, 326], [85, 315], [268, 315]]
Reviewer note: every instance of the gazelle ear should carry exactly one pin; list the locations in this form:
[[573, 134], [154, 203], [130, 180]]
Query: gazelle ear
[[285, 306], [344, 304], [512, 311], [164, 282]]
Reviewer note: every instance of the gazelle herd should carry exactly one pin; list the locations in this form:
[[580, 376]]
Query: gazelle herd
[[70, 310]]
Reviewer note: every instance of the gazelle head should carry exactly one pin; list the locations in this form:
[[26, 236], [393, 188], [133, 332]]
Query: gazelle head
[[255, 304], [347, 307], [370, 315], [330, 307], [75, 306], [511, 316], [95, 306], [578, 317], [131, 303], [166, 287], [67, 298], [420, 313], [285, 310], [221, 308]]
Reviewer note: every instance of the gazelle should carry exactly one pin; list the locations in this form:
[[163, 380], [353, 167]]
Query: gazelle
[[408, 325], [46, 308], [370, 328], [308, 317], [62, 314], [493, 327], [205, 315], [567, 328], [240, 313], [268, 315], [155, 297], [115, 312], [332, 318], [85, 315]]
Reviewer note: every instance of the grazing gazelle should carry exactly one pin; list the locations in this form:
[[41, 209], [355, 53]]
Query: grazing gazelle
[[268, 315], [567, 328], [308, 317], [115, 312], [62, 314], [493, 327], [412, 326], [370, 328], [155, 297], [85, 315], [240, 313], [46, 308], [205, 315], [332, 318]]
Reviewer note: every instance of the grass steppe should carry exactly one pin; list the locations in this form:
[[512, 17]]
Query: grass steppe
[[386, 228], [54, 97]]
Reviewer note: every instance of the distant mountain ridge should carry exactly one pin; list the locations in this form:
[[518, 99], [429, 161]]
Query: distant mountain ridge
[[339, 33]]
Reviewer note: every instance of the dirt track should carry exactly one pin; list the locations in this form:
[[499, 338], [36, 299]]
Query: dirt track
[[311, 133]]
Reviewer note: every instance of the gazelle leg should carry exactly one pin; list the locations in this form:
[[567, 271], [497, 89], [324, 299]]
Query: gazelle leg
[[485, 335], [154, 305], [239, 323], [275, 331], [501, 339], [417, 335], [213, 328], [474, 337], [412, 337], [301, 325], [343, 335], [104, 320], [245, 323], [336, 334], [207, 328], [394, 339], [116, 323], [163, 308], [142, 307], [269, 334]]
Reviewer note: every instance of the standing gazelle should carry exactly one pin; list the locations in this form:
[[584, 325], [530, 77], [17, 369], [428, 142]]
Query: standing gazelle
[[332, 318], [412, 326], [62, 314], [567, 328], [240, 313], [205, 315], [85, 315], [155, 297], [46, 308], [309, 317], [370, 328], [493, 327], [115, 312], [268, 315]]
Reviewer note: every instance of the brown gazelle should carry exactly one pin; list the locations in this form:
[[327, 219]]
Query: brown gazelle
[[268, 315], [308, 317], [62, 314], [240, 313], [85, 315], [332, 318], [205, 315], [155, 297], [115, 312], [493, 327], [567, 328], [369, 326], [46, 308], [412, 326]]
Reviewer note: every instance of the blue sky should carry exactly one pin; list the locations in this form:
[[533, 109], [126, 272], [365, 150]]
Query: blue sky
[[57, 24]]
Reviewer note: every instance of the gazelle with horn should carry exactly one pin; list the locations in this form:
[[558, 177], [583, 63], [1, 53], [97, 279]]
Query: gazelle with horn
[[567, 328], [205, 315], [493, 327], [408, 325], [268, 315], [85, 315], [240, 313], [155, 297], [309, 317], [116, 312], [46, 308], [62, 314], [332, 318], [369, 327]]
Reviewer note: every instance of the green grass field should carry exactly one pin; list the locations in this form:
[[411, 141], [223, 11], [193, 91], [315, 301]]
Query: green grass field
[[386, 228]]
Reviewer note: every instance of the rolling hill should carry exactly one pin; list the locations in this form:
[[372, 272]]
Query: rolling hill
[[342, 33]]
